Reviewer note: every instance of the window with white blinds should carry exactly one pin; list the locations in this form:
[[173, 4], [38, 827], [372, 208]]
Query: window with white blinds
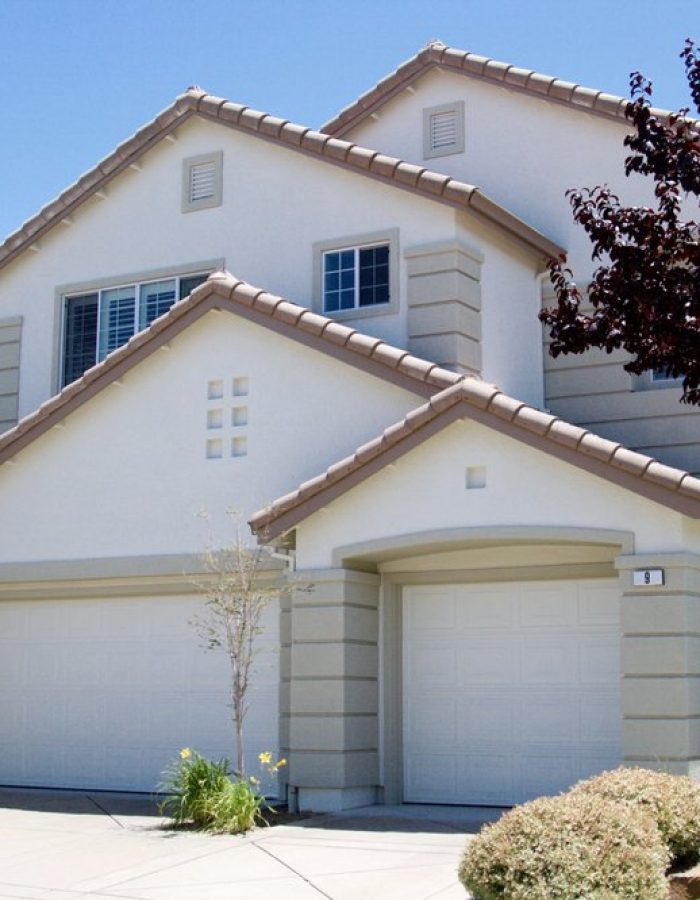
[[443, 130], [98, 322], [202, 178]]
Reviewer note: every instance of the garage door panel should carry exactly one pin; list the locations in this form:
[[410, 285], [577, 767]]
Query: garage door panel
[[533, 707], [434, 775], [434, 726], [485, 661], [600, 718], [12, 668], [484, 720], [432, 663], [542, 774], [548, 719], [551, 661], [103, 693], [598, 605], [83, 718], [600, 659], [423, 618], [548, 607], [488, 609], [492, 775]]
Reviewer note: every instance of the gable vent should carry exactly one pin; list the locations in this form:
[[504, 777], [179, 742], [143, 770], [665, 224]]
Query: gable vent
[[202, 182], [443, 130]]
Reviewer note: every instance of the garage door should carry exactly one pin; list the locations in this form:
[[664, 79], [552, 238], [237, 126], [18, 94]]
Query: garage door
[[103, 693], [511, 691]]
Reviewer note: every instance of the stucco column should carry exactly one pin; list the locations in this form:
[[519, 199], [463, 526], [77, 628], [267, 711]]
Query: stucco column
[[661, 664], [333, 690], [444, 304]]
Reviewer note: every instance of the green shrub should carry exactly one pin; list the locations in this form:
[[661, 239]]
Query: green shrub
[[567, 848], [673, 801], [201, 792], [192, 784], [237, 808]]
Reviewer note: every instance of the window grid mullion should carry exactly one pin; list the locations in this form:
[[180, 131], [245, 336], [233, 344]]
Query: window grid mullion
[[357, 278], [98, 330]]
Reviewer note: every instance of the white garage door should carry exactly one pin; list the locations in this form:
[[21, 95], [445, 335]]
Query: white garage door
[[511, 691], [103, 693]]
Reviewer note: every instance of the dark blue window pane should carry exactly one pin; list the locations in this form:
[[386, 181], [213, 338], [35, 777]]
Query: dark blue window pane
[[332, 262], [347, 280], [347, 299], [347, 259], [80, 340], [332, 301], [374, 275], [332, 281], [189, 283]]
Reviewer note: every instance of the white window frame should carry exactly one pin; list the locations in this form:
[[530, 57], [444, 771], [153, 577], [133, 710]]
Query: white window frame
[[357, 242], [457, 107], [217, 160], [63, 293]]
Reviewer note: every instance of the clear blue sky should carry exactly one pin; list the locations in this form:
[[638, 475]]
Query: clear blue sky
[[79, 76]]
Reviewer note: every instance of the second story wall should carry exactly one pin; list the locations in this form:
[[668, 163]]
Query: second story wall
[[643, 412], [526, 152], [522, 150], [279, 212], [276, 205]]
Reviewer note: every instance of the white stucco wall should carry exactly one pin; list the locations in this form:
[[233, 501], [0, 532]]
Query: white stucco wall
[[511, 334], [276, 204], [523, 151], [128, 474], [425, 489]]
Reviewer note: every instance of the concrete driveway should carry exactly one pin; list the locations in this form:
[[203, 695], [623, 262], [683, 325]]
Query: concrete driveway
[[68, 844]]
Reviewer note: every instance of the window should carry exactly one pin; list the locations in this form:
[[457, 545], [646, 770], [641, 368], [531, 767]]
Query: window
[[97, 322], [662, 376], [357, 275], [443, 130], [655, 379], [202, 178]]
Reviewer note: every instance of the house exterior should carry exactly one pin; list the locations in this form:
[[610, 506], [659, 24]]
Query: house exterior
[[493, 558]]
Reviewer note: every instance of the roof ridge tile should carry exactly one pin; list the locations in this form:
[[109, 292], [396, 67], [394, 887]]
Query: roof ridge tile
[[469, 63], [392, 170]]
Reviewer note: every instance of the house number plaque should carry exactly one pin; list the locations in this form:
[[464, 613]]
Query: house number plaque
[[648, 577]]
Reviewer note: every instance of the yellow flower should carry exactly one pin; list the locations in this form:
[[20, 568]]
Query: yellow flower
[[282, 762], [265, 759], [185, 753]]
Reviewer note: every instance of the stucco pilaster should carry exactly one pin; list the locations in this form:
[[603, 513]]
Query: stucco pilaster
[[444, 305], [333, 689], [661, 663]]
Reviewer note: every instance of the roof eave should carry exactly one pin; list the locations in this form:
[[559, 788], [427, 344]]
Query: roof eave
[[495, 72]]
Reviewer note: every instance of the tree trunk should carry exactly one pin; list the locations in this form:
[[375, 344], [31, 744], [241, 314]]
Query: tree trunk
[[240, 756]]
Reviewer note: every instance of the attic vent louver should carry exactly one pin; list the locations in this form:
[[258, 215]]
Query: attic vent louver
[[443, 130], [202, 179], [202, 182]]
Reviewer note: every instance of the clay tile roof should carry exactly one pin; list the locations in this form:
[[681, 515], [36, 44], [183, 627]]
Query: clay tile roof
[[223, 291], [472, 398], [440, 56], [370, 163]]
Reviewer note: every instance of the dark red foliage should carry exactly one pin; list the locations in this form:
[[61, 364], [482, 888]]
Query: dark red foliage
[[645, 292]]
